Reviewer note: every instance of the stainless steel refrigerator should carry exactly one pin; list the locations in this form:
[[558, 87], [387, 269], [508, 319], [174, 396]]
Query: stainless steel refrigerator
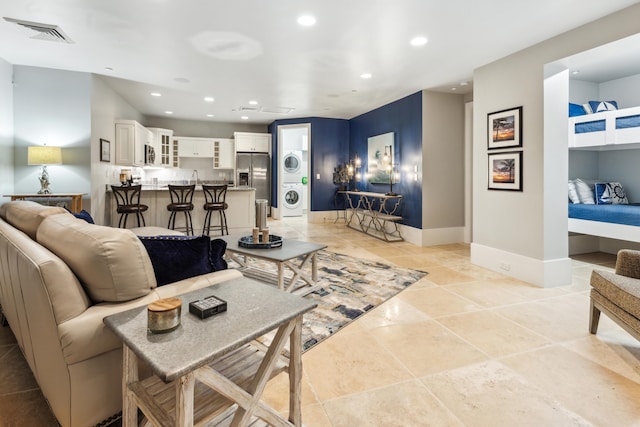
[[254, 170]]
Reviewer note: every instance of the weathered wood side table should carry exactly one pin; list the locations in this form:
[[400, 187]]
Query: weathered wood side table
[[208, 371], [285, 257]]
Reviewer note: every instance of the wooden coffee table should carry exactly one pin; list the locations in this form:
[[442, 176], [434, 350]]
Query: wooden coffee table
[[208, 372], [293, 255]]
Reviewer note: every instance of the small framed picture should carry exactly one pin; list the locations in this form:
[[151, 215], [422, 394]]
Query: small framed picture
[[504, 129], [505, 171], [105, 150]]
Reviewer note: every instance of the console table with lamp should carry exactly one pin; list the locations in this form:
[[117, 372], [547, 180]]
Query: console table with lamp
[[376, 214], [43, 155]]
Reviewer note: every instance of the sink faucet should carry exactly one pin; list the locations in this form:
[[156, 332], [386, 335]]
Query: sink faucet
[[195, 173]]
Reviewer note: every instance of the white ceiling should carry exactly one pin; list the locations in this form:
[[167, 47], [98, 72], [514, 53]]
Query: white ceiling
[[238, 51]]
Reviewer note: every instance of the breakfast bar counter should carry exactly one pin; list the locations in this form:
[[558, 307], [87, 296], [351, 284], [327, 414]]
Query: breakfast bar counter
[[240, 212]]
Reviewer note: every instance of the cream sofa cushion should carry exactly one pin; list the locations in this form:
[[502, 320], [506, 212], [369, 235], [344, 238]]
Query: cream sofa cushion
[[111, 263], [27, 216]]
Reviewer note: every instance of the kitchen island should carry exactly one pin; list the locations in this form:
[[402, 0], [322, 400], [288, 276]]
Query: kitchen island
[[240, 213]]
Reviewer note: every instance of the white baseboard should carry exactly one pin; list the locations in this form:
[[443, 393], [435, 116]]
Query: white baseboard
[[546, 274]]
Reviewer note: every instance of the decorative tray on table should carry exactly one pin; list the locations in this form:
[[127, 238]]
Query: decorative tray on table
[[247, 242]]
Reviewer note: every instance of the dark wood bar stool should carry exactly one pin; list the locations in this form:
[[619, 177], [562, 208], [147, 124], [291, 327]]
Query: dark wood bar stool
[[128, 201], [181, 201], [214, 201]]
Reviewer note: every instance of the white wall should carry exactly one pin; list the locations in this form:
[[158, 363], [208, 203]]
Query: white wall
[[53, 107], [583, 164], [509, 228], [6, 130], [443, 167], [625, 91], [581, 92], [106, 107]]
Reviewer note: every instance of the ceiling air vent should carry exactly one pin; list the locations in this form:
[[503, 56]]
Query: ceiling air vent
[[243, 108], [42, 31], [276, 110]]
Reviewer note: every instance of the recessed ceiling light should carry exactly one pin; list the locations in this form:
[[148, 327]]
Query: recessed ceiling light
[[418, 41], [108, 68], [208, 99], [454, 88], [210, 115], [464, 83], [253, 102], [306, 20], [574, 72], [366, 75], [245, 117], [168, 112], [156, 94]]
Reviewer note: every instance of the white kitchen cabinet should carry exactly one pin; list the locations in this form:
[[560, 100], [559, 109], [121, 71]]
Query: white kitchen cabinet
[[163, 144], [223, 153], [195, 147], [252, 142], [131, 137]]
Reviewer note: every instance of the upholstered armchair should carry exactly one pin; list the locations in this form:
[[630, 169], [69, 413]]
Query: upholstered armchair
[[618, 294]]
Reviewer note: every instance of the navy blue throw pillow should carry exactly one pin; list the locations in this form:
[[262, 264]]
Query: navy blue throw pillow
[[176, 258], [82, 215], [218, 247], [576, 110]]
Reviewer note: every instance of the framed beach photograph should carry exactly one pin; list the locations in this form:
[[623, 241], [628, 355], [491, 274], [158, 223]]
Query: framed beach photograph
[[505, 171], [504, 129], [105, 150]]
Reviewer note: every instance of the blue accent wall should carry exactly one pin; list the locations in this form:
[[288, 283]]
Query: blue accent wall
[[404, 119], [329, 146], [335, 141]]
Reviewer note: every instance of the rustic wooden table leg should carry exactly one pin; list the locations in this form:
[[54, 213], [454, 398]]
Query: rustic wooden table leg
[[129, 375], [295, 373], [184, 400], [281, 275]]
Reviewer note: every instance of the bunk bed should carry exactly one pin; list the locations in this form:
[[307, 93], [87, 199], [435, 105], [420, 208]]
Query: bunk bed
[[620, 222], [612, 129]]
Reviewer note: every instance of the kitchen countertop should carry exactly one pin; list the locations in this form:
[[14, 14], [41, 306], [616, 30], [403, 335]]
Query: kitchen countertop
[[151, 187]]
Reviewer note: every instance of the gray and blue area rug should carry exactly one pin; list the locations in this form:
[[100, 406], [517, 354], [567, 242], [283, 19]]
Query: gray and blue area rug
[[350, 288]]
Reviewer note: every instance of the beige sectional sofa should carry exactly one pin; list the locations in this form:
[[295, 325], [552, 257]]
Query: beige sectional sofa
[[59, 277]]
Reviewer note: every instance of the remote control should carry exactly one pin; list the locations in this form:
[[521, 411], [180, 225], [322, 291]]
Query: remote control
[[207, 307]]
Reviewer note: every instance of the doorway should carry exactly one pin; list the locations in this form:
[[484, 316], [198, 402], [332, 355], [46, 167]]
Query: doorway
[[294, 153]]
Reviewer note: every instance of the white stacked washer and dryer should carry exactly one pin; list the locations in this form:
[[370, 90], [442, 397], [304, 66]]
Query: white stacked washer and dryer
[[292, 187]]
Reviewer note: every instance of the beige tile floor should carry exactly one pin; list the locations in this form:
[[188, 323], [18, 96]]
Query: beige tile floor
[[464, 346]]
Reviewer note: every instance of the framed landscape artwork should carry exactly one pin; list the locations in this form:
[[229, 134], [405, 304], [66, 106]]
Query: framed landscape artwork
[[504, 129], [505, 171]]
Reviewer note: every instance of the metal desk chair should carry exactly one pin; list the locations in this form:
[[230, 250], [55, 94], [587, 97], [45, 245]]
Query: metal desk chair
[[214, 201], [128, 201], [181, 201]]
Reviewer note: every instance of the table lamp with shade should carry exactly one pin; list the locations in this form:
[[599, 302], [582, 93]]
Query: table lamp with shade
[[44, 155]]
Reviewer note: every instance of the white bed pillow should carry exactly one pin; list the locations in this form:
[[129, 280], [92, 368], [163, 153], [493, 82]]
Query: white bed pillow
[[585, 192], [573, 193]]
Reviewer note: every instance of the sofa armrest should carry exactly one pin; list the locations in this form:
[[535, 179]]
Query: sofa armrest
[[628, 263], [86, 336]]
